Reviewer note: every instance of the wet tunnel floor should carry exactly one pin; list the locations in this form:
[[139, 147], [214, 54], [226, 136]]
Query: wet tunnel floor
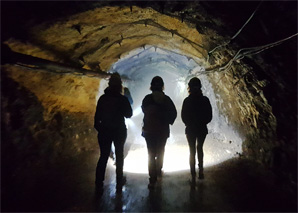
[[68, 186]]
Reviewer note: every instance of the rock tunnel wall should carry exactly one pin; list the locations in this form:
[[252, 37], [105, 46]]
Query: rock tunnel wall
[[43, 110], [241, 99], [45, 118]]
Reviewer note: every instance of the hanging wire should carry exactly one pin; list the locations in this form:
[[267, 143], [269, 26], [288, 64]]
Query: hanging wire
[[238, 32], [248, 52]]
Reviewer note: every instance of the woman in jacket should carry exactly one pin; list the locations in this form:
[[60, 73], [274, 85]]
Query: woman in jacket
[[159, 112], [196, 114], [111, 109]]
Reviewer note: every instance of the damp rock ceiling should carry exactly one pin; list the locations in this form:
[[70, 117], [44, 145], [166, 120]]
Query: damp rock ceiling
[[97, 38]]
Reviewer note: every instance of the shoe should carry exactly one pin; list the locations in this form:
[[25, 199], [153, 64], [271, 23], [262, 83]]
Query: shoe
[[201, 175], [192, 181], [160, 173], [121, 181], [118, 188], [99, 188], [120, 184], [151, 185], [99, 185]]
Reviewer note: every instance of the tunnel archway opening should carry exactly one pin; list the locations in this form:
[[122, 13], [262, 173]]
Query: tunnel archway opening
[[137, 69]]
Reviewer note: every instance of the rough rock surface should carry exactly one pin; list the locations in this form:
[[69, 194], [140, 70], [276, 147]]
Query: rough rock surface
[[42, 110]]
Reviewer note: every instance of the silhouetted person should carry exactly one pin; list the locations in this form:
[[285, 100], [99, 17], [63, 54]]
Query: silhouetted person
[[159, 111], [111, 109], [196, 114]]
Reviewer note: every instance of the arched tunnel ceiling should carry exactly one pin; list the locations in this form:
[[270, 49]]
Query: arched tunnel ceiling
[[97, 34], [100, 37]]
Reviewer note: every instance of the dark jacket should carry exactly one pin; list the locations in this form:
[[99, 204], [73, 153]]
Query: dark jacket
[[159, 111], [196, 113], [111, 109]]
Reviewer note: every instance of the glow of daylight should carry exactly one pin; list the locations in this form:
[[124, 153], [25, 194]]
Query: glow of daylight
[[140, 66]]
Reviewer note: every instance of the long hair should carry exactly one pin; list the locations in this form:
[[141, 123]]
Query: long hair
[[197, 91]]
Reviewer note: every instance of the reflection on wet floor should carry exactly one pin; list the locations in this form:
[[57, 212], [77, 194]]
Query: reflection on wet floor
[[222, 190], [173, 192], [235, 185]]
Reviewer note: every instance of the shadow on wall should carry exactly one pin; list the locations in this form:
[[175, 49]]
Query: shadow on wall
[[30, 144], [25, 136], [20, 110]]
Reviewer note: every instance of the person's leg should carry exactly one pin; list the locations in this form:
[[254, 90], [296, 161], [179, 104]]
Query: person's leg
[[160, 154], [105, 148], [192, 153], [201, 139], [151, 147], [119, 141]]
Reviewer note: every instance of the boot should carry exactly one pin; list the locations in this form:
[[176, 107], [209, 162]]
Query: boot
[[120, 183], [152, 182], [201, 174]]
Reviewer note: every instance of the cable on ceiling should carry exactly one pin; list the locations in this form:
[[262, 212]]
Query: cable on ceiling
[[247, 52], [238, 32]]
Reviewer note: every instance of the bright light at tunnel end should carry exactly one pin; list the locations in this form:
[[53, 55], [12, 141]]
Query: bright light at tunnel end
[[140, 66], [137, 160], [176, 158]]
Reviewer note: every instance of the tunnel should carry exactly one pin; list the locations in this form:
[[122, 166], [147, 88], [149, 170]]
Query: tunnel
[[172, 68], [56, 60]]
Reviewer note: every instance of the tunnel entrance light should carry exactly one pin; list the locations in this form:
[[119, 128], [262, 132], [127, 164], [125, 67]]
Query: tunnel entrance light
[[222, 142], [175, 159]]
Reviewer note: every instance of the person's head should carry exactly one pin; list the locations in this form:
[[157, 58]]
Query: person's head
[[157, 84], [194, 85], [115, 82]]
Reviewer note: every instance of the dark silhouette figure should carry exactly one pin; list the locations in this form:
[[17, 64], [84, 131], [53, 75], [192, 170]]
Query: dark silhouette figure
[[196, 114], [159, 111], [111, 109]]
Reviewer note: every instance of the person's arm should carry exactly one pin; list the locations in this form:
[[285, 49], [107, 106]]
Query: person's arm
[[97, 116], [127, 110], [186, 112], [145, 103], [128, 95], [207, 115], [171, 112]]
